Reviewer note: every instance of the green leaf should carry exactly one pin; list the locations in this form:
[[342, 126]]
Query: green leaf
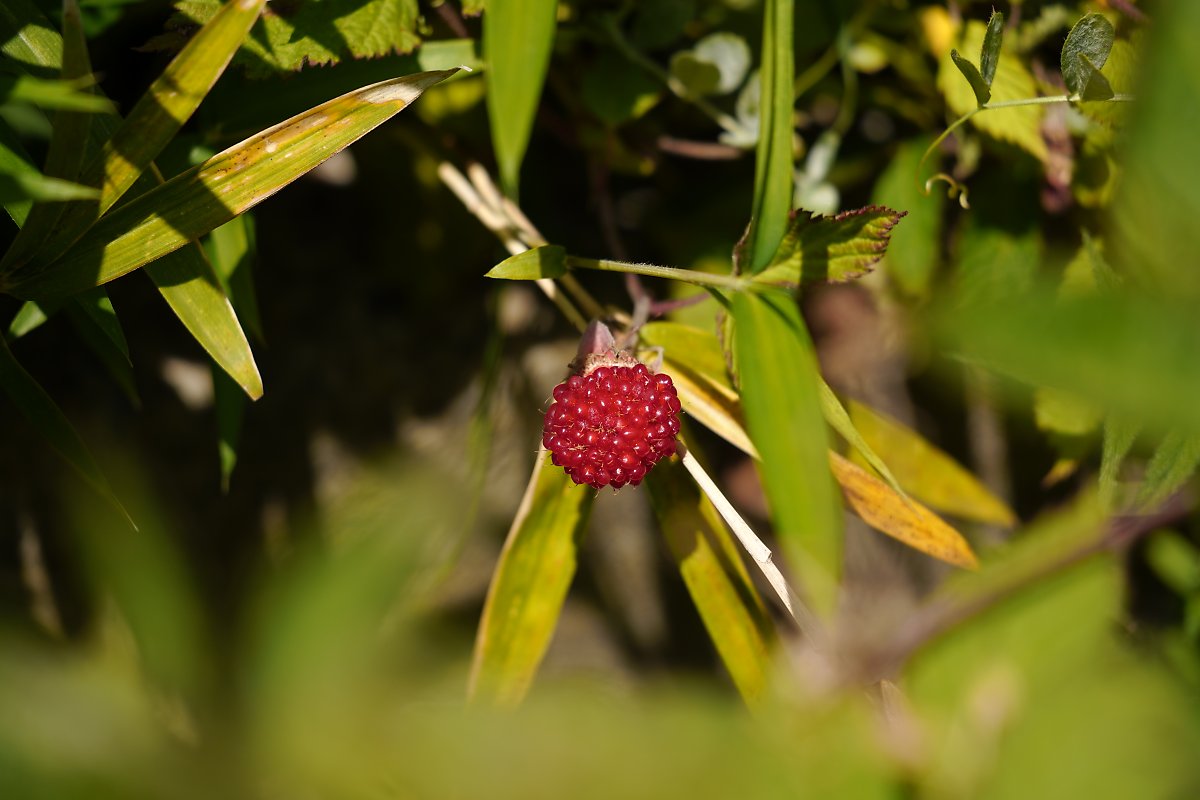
[[1119, 436], [712, 569], [517, 39], [840, 421], [989, 53], [529, 585], [697, 76], [29, 316], [292, 36], [16, 187], [773, 161], [547, 261], [46, 418], [834, 249], [914, 249], [777, 371], [1085, 51], [1013, 81], [1175, 560], [28, 39], [231, 249], [67, 95], [981, 88], [927, 472], [230, 183], [15, 161], [1172, 464]]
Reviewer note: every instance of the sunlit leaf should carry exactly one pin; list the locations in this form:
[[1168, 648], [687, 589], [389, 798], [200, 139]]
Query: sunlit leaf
[[928, 473], [777, 371], [834, 249], [1020, 126], [846, 427], [529, 585], [517, 39], [773, 160], [711, 566], [1085, 51], [205, 197], [547, 261], [909, 522]]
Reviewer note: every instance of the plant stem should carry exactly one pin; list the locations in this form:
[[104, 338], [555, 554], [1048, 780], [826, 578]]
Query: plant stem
[[691, 276]]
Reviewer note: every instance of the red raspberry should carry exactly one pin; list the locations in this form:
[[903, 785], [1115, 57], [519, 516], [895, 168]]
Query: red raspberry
[[611, 424]]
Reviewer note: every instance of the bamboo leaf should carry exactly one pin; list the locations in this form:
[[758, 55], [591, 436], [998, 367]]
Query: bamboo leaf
[[230, 407], [729, 605], [547, 261], [777, 370], [840, 421], [231, 249], [18, 187], [1085, 51], [49, 421], [230, 183], [928, 473], [911, 523], [517, 39], [529, 585], [819, 249], [28, 39], [773, 159]]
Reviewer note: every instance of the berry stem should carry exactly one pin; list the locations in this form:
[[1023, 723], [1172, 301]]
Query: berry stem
[[754, 546]]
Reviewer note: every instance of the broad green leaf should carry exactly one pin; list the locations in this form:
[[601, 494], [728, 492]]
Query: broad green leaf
[[989, 53], [773, 161], [231, 249], [834, 249], [777, 371], [840, 421], [1172, 464], [711, 566], [927, 472], [296, 35], [230, 183], [1158, 199], [1119, 436], [46, 418], [67, 94], [547, 261], [1085, 51], [914, 250], [1013, 81], [911, 523], [529, 585], [518, 36], [981, 88]]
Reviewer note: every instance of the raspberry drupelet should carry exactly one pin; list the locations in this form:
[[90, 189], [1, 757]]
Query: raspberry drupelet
[[610, 424]]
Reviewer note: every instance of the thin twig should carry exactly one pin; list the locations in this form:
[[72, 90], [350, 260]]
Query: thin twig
[[715, 280], [701, 151], [754, 547]]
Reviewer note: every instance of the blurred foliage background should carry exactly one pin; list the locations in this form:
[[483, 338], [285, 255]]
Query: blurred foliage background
[[294, 614]]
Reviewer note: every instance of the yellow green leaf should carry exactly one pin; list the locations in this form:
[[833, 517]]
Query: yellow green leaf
[[529, 585], [928, 473]]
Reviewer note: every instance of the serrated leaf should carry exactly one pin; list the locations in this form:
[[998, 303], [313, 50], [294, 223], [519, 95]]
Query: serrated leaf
[[1013, 81], [712, 569], [517, 39], [777, 372], [547, 261], [989, 53], [230, 183], [834, 249], [1172, 464], [927, 472], [529, 585], [981, 88], [292, 36], [910, 523], [46, 418], [1085, 51], [773, 161]]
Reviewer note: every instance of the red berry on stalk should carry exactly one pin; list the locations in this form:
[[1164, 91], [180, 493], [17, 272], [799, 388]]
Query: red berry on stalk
[[610, 424]]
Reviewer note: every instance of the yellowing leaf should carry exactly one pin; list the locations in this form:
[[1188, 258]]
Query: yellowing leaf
[[1020, 126], [529, 585], [907, 521], [928, 473]]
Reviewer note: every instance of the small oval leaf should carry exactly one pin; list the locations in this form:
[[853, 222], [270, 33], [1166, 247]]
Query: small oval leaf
[[547, 261]]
